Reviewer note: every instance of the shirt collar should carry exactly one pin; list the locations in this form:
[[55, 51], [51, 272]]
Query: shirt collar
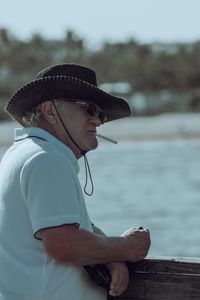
[[22, 133]]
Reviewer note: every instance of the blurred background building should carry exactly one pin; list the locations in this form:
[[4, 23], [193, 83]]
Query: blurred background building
[[152, 77]]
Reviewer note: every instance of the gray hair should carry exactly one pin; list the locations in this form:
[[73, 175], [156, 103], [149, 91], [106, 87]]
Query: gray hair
[[33, 117]]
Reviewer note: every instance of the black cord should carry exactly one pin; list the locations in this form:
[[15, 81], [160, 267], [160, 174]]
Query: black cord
[[87, 171], [83, 152]]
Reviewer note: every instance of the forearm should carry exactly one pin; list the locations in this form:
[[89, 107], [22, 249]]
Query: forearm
[[90, 248], [97, 230], [81, 247]]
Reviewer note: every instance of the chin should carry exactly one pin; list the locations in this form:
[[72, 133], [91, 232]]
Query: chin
[[92, 146]]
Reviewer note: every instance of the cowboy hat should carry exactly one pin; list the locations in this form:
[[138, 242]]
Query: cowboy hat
[[65, 81]]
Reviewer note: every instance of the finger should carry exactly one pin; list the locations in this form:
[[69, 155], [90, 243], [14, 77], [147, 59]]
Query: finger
[[123, 281], [119, 289], [113, 285], [116, 273], [120, 282], [115, 276]]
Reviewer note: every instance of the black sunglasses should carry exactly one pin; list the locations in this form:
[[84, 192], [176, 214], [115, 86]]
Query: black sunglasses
[[93, 110]]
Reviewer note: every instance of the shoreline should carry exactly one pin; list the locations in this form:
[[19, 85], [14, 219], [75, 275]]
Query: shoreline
[[161, 127], [166, 126]]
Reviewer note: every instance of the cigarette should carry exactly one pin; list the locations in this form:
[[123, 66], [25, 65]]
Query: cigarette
[[106, 138]]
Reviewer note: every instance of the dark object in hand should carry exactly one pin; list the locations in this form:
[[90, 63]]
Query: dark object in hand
[[100, 274]]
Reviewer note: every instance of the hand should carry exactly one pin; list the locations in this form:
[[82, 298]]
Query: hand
[[119, 278], [137, 243]]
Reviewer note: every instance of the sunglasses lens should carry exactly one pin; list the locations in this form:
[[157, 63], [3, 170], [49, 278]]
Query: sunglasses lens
[[91, 109], [94, 111], [102, 117]]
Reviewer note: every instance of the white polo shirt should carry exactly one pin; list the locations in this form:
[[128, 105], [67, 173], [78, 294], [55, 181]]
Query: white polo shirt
[[39, 188]]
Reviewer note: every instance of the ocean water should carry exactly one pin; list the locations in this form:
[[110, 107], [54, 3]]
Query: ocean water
[[151, 184], [154, 184]]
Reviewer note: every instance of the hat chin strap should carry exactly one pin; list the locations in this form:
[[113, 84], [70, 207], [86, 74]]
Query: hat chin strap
[[83, 153]]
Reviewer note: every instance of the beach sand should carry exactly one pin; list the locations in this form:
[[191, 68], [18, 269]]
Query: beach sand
[[165, 126]]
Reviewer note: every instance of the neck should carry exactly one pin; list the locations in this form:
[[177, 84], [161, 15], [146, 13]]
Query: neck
[[62, 136]]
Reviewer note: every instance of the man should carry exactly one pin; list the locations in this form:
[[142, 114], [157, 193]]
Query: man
[[46, 235]]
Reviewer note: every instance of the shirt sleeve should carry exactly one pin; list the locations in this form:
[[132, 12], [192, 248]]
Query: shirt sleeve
[[49, 186]]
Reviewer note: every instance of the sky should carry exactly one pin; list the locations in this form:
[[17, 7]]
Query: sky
[[104, 20]]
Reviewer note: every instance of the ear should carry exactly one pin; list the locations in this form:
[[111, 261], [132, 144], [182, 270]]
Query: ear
[[48, 112]]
